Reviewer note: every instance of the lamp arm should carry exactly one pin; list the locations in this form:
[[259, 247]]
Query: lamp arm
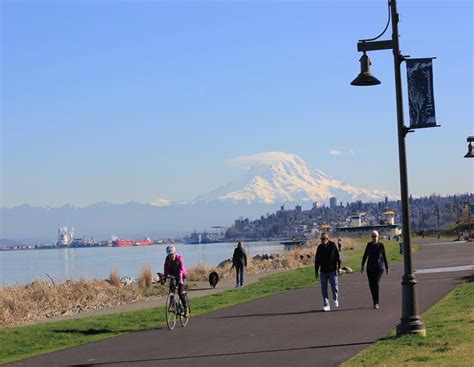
[[383, 32]]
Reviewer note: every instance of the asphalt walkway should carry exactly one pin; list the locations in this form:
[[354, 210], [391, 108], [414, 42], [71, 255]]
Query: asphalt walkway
[[287, 329]]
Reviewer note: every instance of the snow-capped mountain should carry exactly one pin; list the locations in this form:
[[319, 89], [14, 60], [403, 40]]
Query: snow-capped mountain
[[161, 202], [276, 177], [271, 179]]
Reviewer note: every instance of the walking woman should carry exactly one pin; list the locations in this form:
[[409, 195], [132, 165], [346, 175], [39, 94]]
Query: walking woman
[[376, 264], [239, 261]]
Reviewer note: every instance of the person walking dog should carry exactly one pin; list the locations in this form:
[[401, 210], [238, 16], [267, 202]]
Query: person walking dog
[[376, 264], [329, 261], [239, 262]]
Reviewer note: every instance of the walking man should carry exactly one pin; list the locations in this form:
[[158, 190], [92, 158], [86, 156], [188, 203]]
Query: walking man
[[329, 261], [239, 261]]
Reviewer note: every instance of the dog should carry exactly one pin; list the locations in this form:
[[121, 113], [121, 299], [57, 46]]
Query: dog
[[213, 279]]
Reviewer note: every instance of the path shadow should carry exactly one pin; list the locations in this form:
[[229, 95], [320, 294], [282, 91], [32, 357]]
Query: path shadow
[[286, 313], [178, 358], [468, 278], [204, 289], [93, 331], [87, 331]]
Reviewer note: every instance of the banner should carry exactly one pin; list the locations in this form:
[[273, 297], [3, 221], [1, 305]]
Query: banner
[[420, 93]]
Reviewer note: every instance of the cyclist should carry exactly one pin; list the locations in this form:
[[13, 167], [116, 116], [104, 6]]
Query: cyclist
[[174, 267]]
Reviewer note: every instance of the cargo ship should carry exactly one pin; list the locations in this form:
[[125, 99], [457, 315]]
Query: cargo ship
[[127, 243]]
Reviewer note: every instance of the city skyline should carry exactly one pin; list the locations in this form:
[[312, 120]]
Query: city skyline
[[146, 101]]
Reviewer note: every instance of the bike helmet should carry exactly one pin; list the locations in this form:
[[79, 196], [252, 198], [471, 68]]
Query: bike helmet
[[170, 250]]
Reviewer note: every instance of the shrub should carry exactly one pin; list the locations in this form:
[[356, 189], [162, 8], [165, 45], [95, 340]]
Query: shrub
[[146, 277], [114, 279]]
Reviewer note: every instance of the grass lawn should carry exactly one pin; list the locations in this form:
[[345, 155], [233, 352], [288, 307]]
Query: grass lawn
[[26, 341], [450, 339]]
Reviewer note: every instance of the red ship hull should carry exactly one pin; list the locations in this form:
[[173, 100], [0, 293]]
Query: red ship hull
[[126, 243]]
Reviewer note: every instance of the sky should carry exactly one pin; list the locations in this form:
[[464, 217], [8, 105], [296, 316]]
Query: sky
[[134, 101]]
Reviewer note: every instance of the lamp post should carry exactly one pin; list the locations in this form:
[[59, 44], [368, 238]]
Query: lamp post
[[410, 322], [468, 204], [470, 152], [457, 210], [436, 211]]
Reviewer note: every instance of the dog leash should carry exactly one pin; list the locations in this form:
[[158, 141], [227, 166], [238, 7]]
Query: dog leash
[[228, 270]]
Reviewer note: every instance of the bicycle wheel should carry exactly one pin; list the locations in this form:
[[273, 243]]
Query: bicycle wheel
[[183, 320], [170, 311]]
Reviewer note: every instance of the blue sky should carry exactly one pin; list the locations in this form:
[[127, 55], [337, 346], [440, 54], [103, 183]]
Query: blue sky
[[120, 101]]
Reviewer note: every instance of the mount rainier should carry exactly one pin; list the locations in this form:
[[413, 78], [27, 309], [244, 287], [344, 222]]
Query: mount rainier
[[277, 177]]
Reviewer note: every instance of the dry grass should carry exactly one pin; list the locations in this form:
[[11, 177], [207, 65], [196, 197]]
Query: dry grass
[[146, 277], [349, 244], [114, 278], [39, 300], [200, 272]]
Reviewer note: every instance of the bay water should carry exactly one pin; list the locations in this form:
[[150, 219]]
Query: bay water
[[61, 264]]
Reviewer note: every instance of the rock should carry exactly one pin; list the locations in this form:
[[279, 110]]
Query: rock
[[225, 263], [156, 278], [127, 280]]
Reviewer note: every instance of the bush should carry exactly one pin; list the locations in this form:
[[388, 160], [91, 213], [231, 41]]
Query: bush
[[146, 277], [114, 279]]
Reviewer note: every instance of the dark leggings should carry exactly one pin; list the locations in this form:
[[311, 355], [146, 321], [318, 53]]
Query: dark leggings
[[374, 280], [181, 290]]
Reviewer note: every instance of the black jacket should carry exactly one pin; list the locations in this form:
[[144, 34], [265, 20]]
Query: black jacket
[[376, 255], [239, 258], [327, 258]]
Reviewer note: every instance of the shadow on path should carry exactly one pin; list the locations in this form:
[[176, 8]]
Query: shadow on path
[[221, 354], [103, 331], [286, 313]]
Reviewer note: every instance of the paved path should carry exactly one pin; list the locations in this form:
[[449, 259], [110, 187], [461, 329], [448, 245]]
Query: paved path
[[280, 330]]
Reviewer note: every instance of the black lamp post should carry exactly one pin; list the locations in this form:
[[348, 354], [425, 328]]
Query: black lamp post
[[467, 204], [410, 321], [436, 211]]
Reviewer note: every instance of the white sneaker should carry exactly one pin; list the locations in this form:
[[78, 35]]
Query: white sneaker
[[336, 304], [326, 308], [376, 306]]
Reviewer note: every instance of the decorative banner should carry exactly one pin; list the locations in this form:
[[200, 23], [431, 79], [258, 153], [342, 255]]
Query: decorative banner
[[420, 93]]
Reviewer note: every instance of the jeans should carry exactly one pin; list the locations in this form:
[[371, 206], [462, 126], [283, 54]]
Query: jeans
[[333, 279], [239, 275], [374, 280]]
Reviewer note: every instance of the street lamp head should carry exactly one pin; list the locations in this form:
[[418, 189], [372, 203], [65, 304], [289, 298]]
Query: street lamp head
[[365, 78], [470, 153]]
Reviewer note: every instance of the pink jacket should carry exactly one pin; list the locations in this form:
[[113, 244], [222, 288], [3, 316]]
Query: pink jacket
[[182, 269]]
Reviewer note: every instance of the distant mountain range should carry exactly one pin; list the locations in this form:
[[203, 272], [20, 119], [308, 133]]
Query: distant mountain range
[[271, 179]]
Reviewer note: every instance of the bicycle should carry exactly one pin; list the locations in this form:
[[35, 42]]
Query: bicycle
[[174, 307]]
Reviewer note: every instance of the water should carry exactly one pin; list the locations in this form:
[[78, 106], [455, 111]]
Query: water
[[22, 267]]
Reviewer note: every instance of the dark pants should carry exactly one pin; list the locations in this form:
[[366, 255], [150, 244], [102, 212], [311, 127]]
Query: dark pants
[[374, 280], [181, 290], [239, 275]]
